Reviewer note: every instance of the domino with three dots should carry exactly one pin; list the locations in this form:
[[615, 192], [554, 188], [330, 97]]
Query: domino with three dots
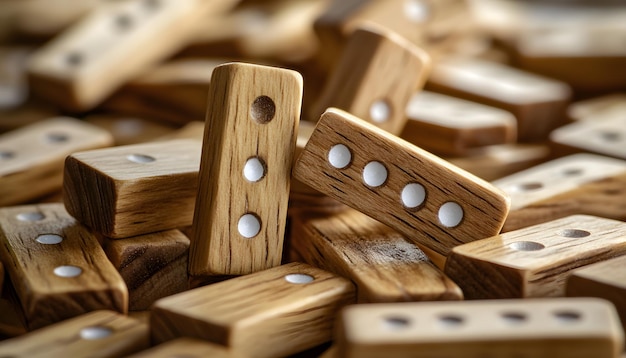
[[245, 170], [430, 201]]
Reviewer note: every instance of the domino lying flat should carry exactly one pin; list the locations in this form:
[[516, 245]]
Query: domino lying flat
[[95, 334], [555, 328], [71, 274], [245, 170], [534, 261], [429, 200]]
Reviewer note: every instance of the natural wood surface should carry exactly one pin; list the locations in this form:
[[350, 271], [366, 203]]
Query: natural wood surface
[[253, 117], [605, 279], [73, 70], [497, 161], [577, 184], [257, 315], [71, 274], [446, 125], [25, 114], [191, 130], [538, 103], [174, 92], [562, 51], [133, 190], [95, 334], [31, 158], [534, 261], [605, 135], [384, 266], [375, 77], [563, 328], [589, 109], [436, 223], [153, 265], [12, 321], [128, 129], [188, 348]]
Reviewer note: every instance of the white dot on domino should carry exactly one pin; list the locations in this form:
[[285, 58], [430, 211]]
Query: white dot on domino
[[249, 226], [413, 195], [254, 169], [450, 214], [339, 156], [374, 174]]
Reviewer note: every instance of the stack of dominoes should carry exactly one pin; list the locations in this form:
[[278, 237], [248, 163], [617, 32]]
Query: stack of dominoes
[[361, 178]]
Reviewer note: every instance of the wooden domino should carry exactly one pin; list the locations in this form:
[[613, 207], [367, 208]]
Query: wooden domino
[[384, 266], [247, 155], [450, 126], [95, 334], [534, 261], [128, 130], [606, 279], [577, 184], [537, 102], [73, 70], [390, 70], [153, 265], [71, 274], [605, 136], [191, 130], [276, 312], [174, 92], [559, 327], [598, 106], [133, 190], [186, 347], [31, 158], [494, 162], [12, 77], [430, 201]]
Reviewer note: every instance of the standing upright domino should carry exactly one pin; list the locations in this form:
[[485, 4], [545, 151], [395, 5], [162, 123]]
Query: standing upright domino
[[430, 201], [245, 170]]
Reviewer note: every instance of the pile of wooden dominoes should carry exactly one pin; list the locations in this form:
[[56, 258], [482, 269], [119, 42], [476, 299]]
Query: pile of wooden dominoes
[[347, 178]]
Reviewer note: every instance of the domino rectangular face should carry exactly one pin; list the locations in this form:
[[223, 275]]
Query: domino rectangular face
[[606, 279], [31, 158], [535, 261], [577, 184], [598, 106], [537, 102], [133, 190], [71, 274], [153, 265], [73, 70], [384, 266], [245, 172], [430, 201], [101, 333], [451, 126], [186, 347], [390, 69], [559, 327], [276, 312], [604, 136]]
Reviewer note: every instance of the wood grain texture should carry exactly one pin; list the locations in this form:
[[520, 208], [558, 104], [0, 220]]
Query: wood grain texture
[[73, 70], [133, 190], [563, 327], [483, 206], [70, 338], [384, 266], [254, 114], [31, 158], [186, 347], [603, 135], [174, 92], [495, 162], [128, 130], [578, 184], [257, 315], [45, 295], [446, 125], [377, 68], [538, 103], [153, 265], [534, 261], [606, 279]]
